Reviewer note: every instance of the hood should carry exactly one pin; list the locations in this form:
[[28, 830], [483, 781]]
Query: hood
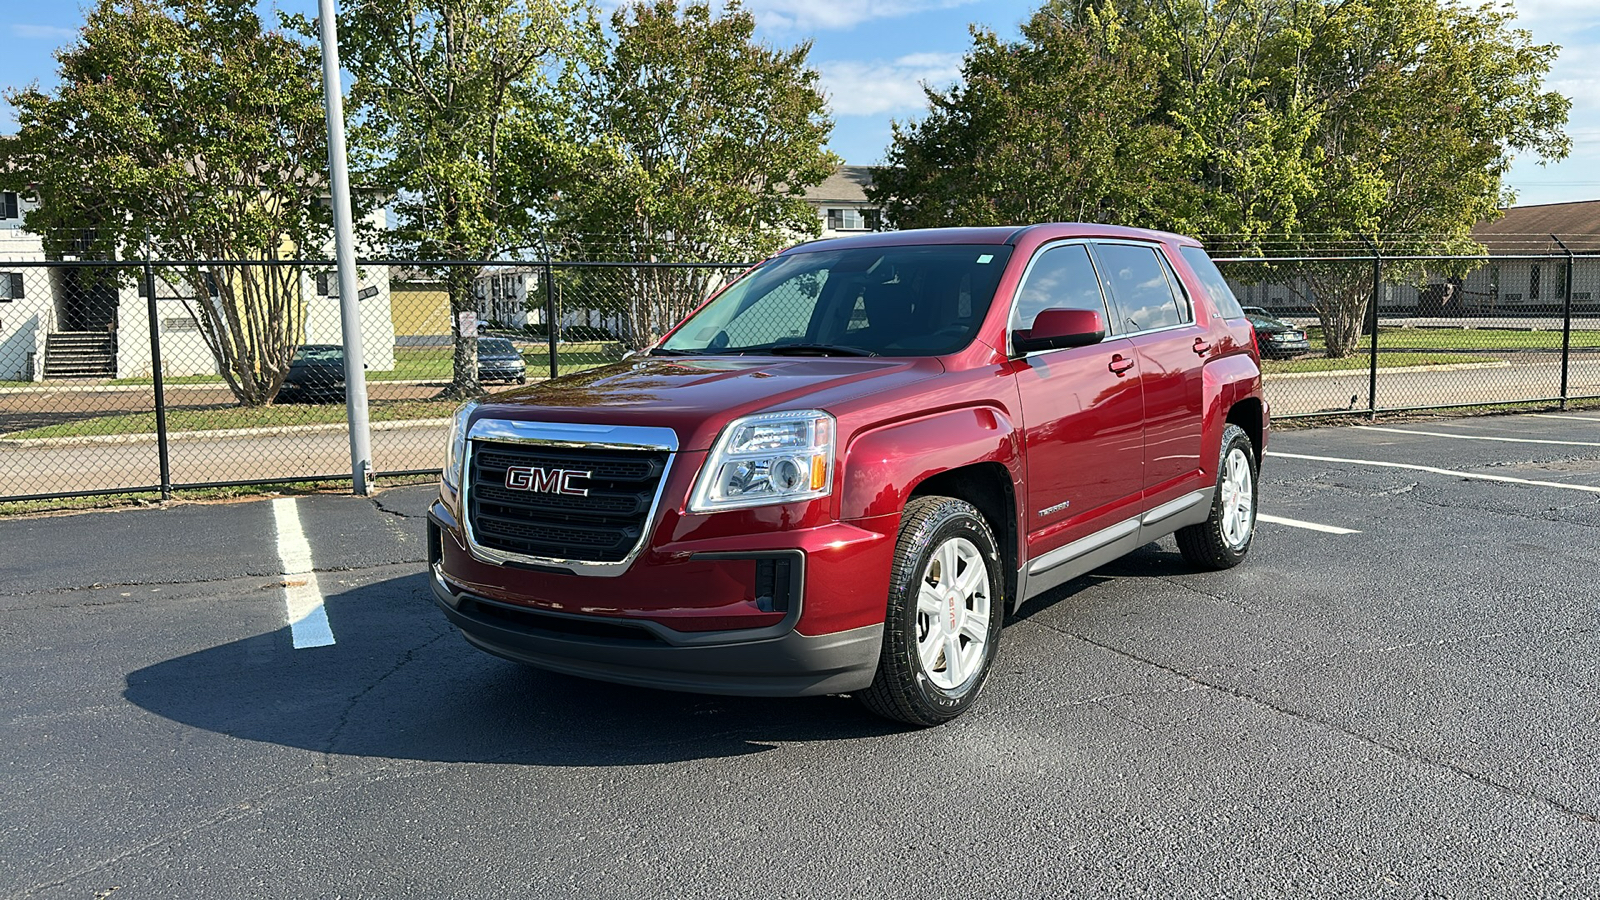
[[696, 397]]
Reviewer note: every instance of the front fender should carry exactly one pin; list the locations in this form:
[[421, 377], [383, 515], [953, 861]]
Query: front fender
[[1227, 381], [883, 465]]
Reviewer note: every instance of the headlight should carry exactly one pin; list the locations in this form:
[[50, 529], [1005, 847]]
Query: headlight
[[769, 458], [456, 454]]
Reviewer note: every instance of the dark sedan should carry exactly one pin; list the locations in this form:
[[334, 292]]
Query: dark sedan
[[316, 375], [1276, 338], [498, 360]]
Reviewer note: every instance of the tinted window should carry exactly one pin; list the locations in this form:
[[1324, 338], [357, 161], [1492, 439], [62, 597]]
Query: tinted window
[[1061, 278], [1216, 287], [1140, 287], [497, 346], [893, 301]]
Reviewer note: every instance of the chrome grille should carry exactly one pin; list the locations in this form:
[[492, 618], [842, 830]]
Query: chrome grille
[[602, 527]]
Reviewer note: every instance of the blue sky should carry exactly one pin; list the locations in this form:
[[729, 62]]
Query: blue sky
[[872, 55]]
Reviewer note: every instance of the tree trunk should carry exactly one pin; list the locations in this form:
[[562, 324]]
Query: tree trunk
[[1341, 303], [464, 362]]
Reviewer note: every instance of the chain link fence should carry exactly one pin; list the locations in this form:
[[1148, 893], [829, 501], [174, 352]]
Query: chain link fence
[[165, 375], [1444, 332]]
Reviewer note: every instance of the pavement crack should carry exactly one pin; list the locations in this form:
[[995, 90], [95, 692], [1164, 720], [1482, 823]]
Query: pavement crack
[[350, 707], [377, 503], [218, 816], [1319, 721], [1204, 593]]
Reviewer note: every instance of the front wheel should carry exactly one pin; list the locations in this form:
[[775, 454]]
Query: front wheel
[[1223, 539], [944, 614]]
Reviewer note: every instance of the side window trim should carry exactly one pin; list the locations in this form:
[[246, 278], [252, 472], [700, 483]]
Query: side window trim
[[1027, 272], [1179, 292]]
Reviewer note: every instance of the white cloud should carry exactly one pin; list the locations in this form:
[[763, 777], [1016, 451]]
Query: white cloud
[[814, 15], [44, 32], [878, 87], [1568, 13]]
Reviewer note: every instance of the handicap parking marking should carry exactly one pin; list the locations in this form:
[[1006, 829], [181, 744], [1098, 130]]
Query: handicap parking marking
[[1309, 526], [302, 594], [1454, 473], [1476, 437]]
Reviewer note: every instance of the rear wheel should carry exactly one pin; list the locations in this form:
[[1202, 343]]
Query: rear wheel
[[1223, 539], [944, 614]]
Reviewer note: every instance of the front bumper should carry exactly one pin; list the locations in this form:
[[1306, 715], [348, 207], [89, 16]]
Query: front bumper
[[783, 613], [787, 663]]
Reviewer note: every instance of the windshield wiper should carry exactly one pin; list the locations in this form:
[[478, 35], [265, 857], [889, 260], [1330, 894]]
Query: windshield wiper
[[663, 351], [800, 347]]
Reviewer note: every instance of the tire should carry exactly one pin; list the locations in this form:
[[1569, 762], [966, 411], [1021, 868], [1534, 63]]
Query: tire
[[937, 650], [1223, 539]]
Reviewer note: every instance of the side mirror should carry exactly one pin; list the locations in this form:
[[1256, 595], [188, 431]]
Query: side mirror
[[1054, 329]]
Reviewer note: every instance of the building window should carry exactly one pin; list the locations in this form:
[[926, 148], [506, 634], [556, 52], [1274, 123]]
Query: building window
[[9, 207], [1533, 284], [10, 286], [851, 219]]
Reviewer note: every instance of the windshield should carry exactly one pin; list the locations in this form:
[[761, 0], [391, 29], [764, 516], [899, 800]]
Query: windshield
[[496, 347], [882, 301]]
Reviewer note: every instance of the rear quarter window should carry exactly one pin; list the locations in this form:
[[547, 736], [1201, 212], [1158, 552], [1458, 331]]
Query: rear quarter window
[[1216, 287]]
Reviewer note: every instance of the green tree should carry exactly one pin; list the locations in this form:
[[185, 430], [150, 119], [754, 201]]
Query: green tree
[[456, 114], [1064, 124], [182, 128], [1310, 124], [699, 144]]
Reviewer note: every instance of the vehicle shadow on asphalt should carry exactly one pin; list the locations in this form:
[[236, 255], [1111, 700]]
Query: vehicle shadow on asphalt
[[401, 683], [1151, 560]]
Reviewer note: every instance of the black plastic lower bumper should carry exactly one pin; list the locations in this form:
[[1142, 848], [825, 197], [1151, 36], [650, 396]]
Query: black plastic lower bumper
[[786, 665]]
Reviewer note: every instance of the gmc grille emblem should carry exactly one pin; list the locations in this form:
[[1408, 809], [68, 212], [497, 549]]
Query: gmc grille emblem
[[545, 481]]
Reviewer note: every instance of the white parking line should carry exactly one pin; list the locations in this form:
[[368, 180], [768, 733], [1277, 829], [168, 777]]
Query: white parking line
[[302, 595], [1475, 476], [1309, 526], [1592, 420], [1477, 437]]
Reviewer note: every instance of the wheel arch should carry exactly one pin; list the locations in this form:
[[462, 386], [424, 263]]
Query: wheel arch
[[1247, 413], [988, 487], [973, 453]]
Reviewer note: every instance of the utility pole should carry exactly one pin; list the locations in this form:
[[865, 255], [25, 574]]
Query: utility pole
[[355, 361]]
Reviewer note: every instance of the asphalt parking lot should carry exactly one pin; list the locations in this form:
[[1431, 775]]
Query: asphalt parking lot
[[1402, 703]]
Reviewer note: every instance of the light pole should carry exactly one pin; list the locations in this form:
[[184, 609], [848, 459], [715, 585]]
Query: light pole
[[355, 377]]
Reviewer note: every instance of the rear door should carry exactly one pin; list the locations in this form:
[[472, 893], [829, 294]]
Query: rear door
[[1081, 409], [1158, 318]]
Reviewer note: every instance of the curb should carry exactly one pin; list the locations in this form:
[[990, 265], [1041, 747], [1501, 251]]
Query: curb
[[274, 431], [1345, 373]]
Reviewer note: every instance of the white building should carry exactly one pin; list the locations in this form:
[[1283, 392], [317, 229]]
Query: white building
[[64, 321], [841, 202]]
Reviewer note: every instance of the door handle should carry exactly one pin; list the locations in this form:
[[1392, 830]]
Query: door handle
[[1201, 347], [1120, 363]]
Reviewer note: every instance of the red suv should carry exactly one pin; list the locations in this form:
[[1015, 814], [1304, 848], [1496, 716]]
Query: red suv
[[840, 473]]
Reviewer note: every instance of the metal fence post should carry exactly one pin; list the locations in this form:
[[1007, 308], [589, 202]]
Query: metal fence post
[[158, 386], [1566, 322], [1372, 320], [550, 326]]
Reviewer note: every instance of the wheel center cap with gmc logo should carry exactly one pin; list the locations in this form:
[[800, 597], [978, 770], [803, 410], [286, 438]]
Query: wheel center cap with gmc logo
[[545, 481]]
